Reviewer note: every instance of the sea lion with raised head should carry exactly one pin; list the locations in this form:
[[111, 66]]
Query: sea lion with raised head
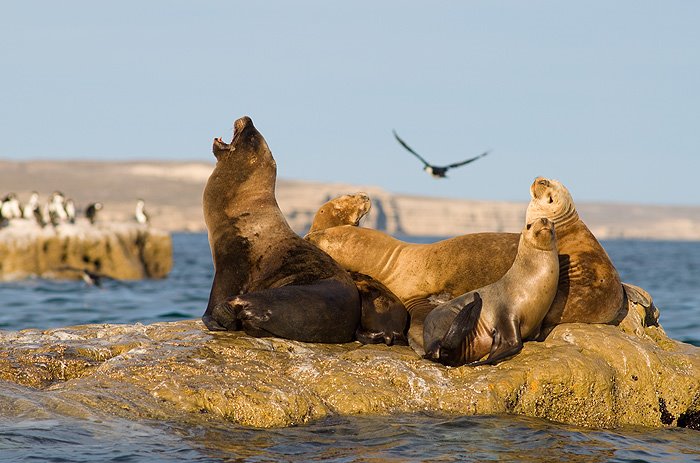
[[417, 272], [267, 280], [497, 318], [342, 210], [590, 290], [384, 318]]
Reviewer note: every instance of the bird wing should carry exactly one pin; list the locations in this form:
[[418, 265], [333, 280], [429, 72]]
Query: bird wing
[[457, 164], [403, 143]]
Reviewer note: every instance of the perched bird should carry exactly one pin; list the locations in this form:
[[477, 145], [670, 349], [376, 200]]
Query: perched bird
[[10, 208], [140, 214], [436, 171], [57, 209], [29, 211], [70, 210], [91, 211]]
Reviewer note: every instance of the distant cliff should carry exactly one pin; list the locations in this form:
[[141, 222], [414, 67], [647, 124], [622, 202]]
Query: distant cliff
[[173, 194]]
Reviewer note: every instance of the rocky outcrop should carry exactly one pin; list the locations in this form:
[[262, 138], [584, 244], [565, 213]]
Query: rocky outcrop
[[123, 251], [589, 375]]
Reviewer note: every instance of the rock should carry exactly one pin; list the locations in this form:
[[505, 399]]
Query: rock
[[588, 375], [123, 251]]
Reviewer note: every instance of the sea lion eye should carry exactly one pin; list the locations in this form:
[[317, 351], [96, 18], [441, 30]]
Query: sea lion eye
[[529, 226]]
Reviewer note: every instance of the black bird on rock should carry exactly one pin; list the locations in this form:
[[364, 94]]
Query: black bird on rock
[[436, 171]]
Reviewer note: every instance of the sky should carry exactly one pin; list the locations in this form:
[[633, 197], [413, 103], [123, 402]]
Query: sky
[[604, 96]]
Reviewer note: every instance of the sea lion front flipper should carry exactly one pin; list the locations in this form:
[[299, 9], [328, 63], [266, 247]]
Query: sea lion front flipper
[[506, 343], [417, 309], [450, 349]]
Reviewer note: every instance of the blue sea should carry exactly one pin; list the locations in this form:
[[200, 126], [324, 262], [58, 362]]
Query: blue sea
[[670, 271]]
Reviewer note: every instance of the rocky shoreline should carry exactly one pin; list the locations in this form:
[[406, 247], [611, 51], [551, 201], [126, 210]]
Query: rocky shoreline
[[599, 376]]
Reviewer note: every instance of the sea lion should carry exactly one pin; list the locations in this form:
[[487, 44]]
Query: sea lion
[[341, 210], [384, 318], [590, 290], [417, 272], [497, 318], [267, 280]]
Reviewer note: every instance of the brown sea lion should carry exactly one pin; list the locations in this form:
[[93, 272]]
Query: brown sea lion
[[417, 272], [268, 281], [384, 318], [497, 318]]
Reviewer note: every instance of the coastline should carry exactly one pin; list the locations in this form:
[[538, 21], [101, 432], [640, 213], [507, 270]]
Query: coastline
[[173, 190]]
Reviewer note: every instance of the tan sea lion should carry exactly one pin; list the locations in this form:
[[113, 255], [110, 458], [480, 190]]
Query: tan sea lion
[[417, 272], [384, 318], [268, 281], [590, 290], [497, 318], [341, 210]]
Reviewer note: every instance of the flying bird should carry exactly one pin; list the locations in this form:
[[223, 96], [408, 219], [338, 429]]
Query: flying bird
[[436, 171]]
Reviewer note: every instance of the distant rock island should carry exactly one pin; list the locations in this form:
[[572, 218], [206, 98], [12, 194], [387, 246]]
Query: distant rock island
[[173, 195]]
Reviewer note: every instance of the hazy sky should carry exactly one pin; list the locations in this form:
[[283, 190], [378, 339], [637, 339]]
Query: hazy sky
[[603, 95]]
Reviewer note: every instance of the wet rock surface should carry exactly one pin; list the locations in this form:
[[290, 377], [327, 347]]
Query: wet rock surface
[[589, 375], [123, 251]]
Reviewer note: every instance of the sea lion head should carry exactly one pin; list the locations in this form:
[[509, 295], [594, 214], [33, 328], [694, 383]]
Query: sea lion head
[[244, 176], [341, 210], [248, 149], [551, 199], [540, 234]]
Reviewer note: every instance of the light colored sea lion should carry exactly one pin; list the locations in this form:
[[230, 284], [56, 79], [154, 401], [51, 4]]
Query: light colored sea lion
[[590, 290], [384, 318], [268, 281], [415, 272], [341, 210], [497, 318]]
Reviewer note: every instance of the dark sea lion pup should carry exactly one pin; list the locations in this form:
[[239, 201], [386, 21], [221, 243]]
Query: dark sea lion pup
[[267, 280], [497, 318], [384, 317]]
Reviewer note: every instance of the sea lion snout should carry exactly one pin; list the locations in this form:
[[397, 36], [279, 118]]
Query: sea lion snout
[[540, 224], [539, 186]]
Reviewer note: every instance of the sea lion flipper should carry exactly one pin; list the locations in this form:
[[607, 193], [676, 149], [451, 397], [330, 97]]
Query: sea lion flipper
[[463, 324], [506, 343]]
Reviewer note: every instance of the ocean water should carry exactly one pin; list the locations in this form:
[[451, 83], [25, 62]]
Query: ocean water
[[670, 271]]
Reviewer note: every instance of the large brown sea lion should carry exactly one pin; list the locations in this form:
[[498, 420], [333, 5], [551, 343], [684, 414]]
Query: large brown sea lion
[[268, 281], [497, 318], [589, 285]]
